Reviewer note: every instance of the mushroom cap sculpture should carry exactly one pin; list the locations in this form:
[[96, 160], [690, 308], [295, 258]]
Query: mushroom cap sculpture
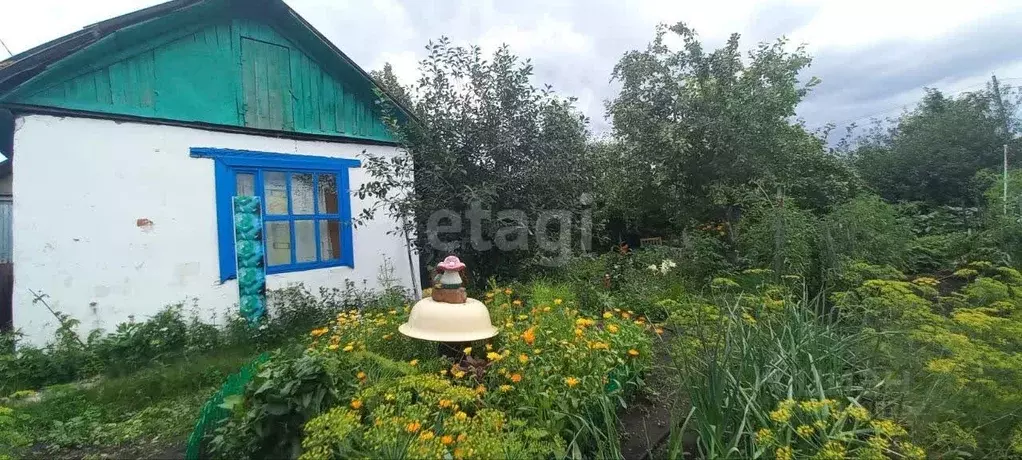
[[448, 315]]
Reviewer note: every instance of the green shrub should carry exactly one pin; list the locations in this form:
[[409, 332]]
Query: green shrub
[[170, 336], [634, 280], [951, 359], [268, 419], [865, 229], [782, 237]]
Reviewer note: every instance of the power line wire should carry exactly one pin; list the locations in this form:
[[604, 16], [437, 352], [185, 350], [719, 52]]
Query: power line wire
[[6, 48]]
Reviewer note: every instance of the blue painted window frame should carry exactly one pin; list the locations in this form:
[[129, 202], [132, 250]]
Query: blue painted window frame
[[229, 162]]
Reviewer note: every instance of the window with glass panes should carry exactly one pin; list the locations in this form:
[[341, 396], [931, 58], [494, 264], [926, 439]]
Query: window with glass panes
[[306, 207]]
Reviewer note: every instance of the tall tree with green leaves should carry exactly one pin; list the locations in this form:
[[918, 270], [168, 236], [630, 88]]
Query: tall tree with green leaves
[[932, 154], [697, 131], [490, 149]]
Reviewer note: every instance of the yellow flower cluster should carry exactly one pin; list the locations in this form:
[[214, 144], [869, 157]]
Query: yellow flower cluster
[[783, 412], [887, 428], [926, 281], [833, 450], [546, 352], [858, 413], [802, 429]]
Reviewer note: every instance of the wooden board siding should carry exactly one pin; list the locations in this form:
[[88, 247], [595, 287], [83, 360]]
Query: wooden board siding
[[240, 72], [266, 85]]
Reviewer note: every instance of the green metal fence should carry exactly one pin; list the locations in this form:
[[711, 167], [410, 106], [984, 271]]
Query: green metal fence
[[212, 414]]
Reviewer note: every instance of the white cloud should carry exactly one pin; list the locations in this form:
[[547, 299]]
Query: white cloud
[[868, 52], [548, 36], [24, 25], [851, 24]]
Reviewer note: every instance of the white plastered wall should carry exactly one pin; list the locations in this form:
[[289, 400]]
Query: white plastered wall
[[82, 186]]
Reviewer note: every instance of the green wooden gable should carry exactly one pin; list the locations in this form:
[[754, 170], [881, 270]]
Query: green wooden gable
[[217, 62]]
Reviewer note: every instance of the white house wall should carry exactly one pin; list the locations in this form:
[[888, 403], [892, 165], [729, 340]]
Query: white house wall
[[81, 186]]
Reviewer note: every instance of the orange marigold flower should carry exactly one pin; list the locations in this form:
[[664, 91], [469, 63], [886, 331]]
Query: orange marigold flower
[[633, 352], [356, 404], [319, 332], [447, 440], [523, 358], [516, 377], [361, 375], [445, 403], [612, 328], [414, 362], [480, 389], [413, 427], [571, 381], [529, 335], [517, 303], [508, 291], [462, 437]]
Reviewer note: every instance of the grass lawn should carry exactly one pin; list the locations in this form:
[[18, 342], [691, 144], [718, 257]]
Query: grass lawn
[[148, 414]]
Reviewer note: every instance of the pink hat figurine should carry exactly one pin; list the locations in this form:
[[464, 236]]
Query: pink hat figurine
[[451, 263], [450, 272]]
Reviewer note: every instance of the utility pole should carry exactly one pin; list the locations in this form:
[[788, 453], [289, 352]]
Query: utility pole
[[1005, 197], [995, 87]]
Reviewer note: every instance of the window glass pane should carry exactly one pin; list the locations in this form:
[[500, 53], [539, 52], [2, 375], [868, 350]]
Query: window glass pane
[[275, 189], [278, 243], [301, 194], [305, 240], [329, 239], [327, 194], [244, 184]]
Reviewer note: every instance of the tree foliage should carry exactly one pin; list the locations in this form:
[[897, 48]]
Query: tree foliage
[[934, 152], [485, 138], [696, 131]]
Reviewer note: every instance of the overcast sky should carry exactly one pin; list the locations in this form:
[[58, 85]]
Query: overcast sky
[[873, 56]]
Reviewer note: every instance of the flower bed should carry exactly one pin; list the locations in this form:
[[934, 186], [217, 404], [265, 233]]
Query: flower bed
[[547, 385]]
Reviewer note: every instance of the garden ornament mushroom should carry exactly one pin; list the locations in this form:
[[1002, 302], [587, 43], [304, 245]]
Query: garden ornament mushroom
[[448, 315], [448, 281]]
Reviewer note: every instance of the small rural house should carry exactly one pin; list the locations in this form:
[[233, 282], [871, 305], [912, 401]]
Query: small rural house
[[129, 139]]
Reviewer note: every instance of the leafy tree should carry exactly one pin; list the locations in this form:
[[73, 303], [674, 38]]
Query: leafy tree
[[696, 132], [934, 152], [484, 140]]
